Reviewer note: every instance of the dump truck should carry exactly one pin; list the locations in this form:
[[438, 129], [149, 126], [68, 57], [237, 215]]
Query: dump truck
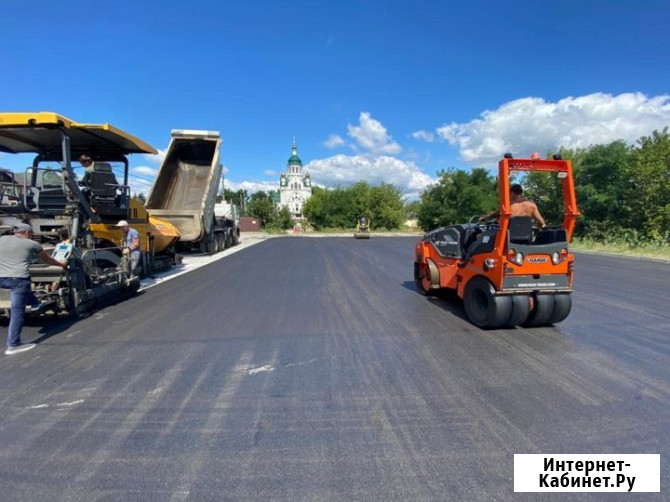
[[227, 216], [71, 216], [184, 192], [507, 272]]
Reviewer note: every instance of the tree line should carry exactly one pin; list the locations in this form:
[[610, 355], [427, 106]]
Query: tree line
[[623, 193]]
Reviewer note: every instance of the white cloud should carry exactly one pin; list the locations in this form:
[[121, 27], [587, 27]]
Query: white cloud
[[138, 185], [270, 172], [532, 124], [252, 186], [144, 171], [334, 141], [156, 158], [426, 136], [348, 169], [141, 179], [371, 135]]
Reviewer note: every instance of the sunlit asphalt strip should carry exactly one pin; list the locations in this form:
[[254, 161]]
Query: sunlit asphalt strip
[[194, 261]]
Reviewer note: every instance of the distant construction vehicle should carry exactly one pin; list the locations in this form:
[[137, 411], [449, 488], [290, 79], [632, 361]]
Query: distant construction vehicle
[[185, 190], [362, 229], [506, 272]]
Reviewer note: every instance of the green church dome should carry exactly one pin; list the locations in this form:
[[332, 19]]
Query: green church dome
[[294, 159]]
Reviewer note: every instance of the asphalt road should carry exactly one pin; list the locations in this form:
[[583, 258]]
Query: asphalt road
[[311, 369]]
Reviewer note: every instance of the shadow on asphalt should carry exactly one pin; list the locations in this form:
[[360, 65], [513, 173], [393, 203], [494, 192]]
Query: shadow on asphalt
[[444, 299], [51, 325], [449, 302]]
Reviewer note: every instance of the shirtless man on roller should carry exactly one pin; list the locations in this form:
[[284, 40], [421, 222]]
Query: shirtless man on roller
[[519, 206]]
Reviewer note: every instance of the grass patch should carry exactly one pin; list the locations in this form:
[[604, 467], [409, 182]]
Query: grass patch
[[644, 250], [273, 231]]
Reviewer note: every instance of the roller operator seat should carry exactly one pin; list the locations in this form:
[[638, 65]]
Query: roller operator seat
[[520, 229]]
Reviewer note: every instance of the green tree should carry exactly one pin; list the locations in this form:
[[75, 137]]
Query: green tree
[[342, 207], [412, 209], [457, 197], [385, 207], [260, 206], [313, 208], [648, 189], [601, 184], [280, 219], [546, 190], [329, 209], [235, 197]]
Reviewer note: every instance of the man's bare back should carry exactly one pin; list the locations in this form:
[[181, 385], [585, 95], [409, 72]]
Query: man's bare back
[[519, 206], [523, 207]]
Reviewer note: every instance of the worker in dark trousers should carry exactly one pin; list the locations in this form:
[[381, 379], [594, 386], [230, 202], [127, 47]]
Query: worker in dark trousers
[[17, 252]]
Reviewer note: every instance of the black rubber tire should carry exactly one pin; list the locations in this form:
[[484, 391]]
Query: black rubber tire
[[212, 244], [543, 311], [562, 306], [418, 280], [483, 307], [520, 311]]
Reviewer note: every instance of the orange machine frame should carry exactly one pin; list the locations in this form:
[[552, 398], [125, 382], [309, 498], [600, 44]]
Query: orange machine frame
[[542, 270]]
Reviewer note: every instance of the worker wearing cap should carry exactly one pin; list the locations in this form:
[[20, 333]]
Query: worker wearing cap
[[131, 243], [17, 252]]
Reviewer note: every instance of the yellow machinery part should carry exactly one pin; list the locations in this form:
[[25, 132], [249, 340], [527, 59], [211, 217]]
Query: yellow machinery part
[[163, 232]]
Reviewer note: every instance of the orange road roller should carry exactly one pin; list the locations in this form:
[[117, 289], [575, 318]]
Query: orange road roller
[[507, 272]]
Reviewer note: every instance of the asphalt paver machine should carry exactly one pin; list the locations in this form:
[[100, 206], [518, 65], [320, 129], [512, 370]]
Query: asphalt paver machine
[[68, 213]]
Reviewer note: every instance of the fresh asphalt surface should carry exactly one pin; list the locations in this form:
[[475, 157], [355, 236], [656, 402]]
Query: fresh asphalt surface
[[311, 369]]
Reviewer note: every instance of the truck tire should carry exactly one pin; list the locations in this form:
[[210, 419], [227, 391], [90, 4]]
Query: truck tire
[[483, 307], [211, 244], [221, 239]]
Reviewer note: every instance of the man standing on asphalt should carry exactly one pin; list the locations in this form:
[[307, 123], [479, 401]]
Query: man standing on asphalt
[[131, 243], [17, 252]]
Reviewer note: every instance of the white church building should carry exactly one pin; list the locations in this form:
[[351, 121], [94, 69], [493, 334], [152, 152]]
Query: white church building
[[295, 187]]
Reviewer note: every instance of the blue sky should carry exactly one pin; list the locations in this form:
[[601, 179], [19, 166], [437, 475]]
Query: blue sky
[[376, 90]]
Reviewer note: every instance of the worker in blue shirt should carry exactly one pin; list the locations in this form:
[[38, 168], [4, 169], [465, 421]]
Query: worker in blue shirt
[[131, 244]]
